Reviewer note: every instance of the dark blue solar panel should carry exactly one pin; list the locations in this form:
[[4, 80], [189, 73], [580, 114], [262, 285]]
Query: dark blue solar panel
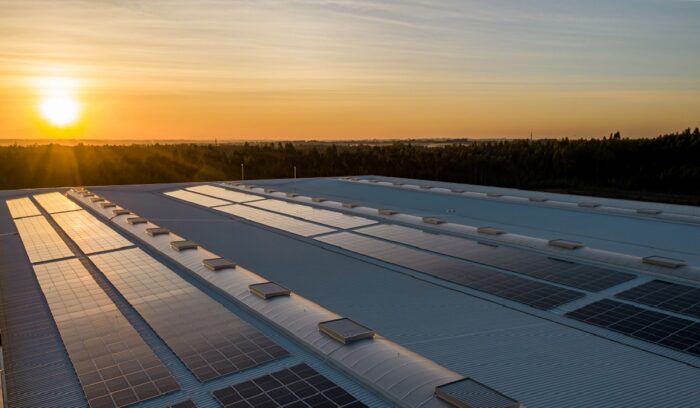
[[666, 295]]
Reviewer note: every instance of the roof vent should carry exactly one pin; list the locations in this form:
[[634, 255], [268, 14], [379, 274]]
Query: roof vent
[[107, 205], [292, 194], [270, 190], [468, 393], [318, 199], [664, 262], [490, 231], [562, 243], [648, 211], [78, 189], [87, 194], [433, 220], [396, 183], [183, 245], [495, 195], [345, 330], [537, 199], [589, 205], [267, 290], [249, 186], [457, 190], [155, 231], [373, 181], [96, 199], [216, 264], [136, 220], [426, 186], [121, 211], [349, 205], [386, 211]]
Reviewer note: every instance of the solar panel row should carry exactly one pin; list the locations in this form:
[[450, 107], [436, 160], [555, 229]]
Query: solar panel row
[[22, 207], [56, 202], [195, 198], [321, 216], [90, 234], [209, 339], [274, 220], [536, 294], [565, 273], [295, 387], [648, 325], [113, 363], [666, 295], [224, 194], [40, 240]]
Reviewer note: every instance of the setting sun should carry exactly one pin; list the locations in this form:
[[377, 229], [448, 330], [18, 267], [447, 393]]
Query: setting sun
[[58, 104]]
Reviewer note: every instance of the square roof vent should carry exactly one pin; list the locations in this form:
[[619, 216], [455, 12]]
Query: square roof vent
[[155, 231], [433, 220], [270, 190], [589, 205], [183, 245], [96, 199], [537, 199], [318, 199], [267, 290], [292, 194], [107, 205], [490, 231], [136, 220], [468, 393], [562, 243], [349, 205], [397, 184], [664, 262], [216, 264], [648, 211], [78, 189], [345, 330], [457, 190], [121, 211], [496, 195], [87, 194], [373, 181], [386, 211]]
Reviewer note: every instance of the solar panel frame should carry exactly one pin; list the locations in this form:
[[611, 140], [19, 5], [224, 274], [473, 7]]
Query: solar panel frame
[[194, 198], [89, 233], [321, 216], [22, 207], [114, 365], [648, 325], [274, 220], [56, 202], [532, 293], [208, 338], [669, 296], [41, 241], [297, 386], [224, 194]]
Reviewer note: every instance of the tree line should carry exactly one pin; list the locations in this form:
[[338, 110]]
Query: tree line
[[665, 168]]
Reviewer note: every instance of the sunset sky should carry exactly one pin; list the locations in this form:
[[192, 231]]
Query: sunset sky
[[342, 69]]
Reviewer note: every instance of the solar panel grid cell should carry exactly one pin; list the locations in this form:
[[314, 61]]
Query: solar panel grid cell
[[22, 207], [666, 295], [195, 198], [56, 202], [114, 365], [209, 339], [321, 216], [225, 194], [274, 220], [536, 294], [40, 240]]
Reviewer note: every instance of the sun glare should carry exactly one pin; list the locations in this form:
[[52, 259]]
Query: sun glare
[[59, 105]]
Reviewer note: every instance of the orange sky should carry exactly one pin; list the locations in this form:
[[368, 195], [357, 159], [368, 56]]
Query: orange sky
[[341, 69]]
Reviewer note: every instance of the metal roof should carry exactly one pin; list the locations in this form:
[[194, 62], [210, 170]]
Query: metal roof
[[538, 358]]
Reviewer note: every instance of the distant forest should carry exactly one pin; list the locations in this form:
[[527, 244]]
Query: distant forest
[[665, 168]]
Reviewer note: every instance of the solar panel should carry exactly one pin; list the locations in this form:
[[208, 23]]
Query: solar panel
[[113, 363], [195, 198], [666, 295], [89, 233], [209, 339], [281, 222], [536, 294], [469, 393], [55, 202], [22, 207], [224, 194], [298, 386], [321, 216], [40, 240], [655, 327], [578, 276]]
